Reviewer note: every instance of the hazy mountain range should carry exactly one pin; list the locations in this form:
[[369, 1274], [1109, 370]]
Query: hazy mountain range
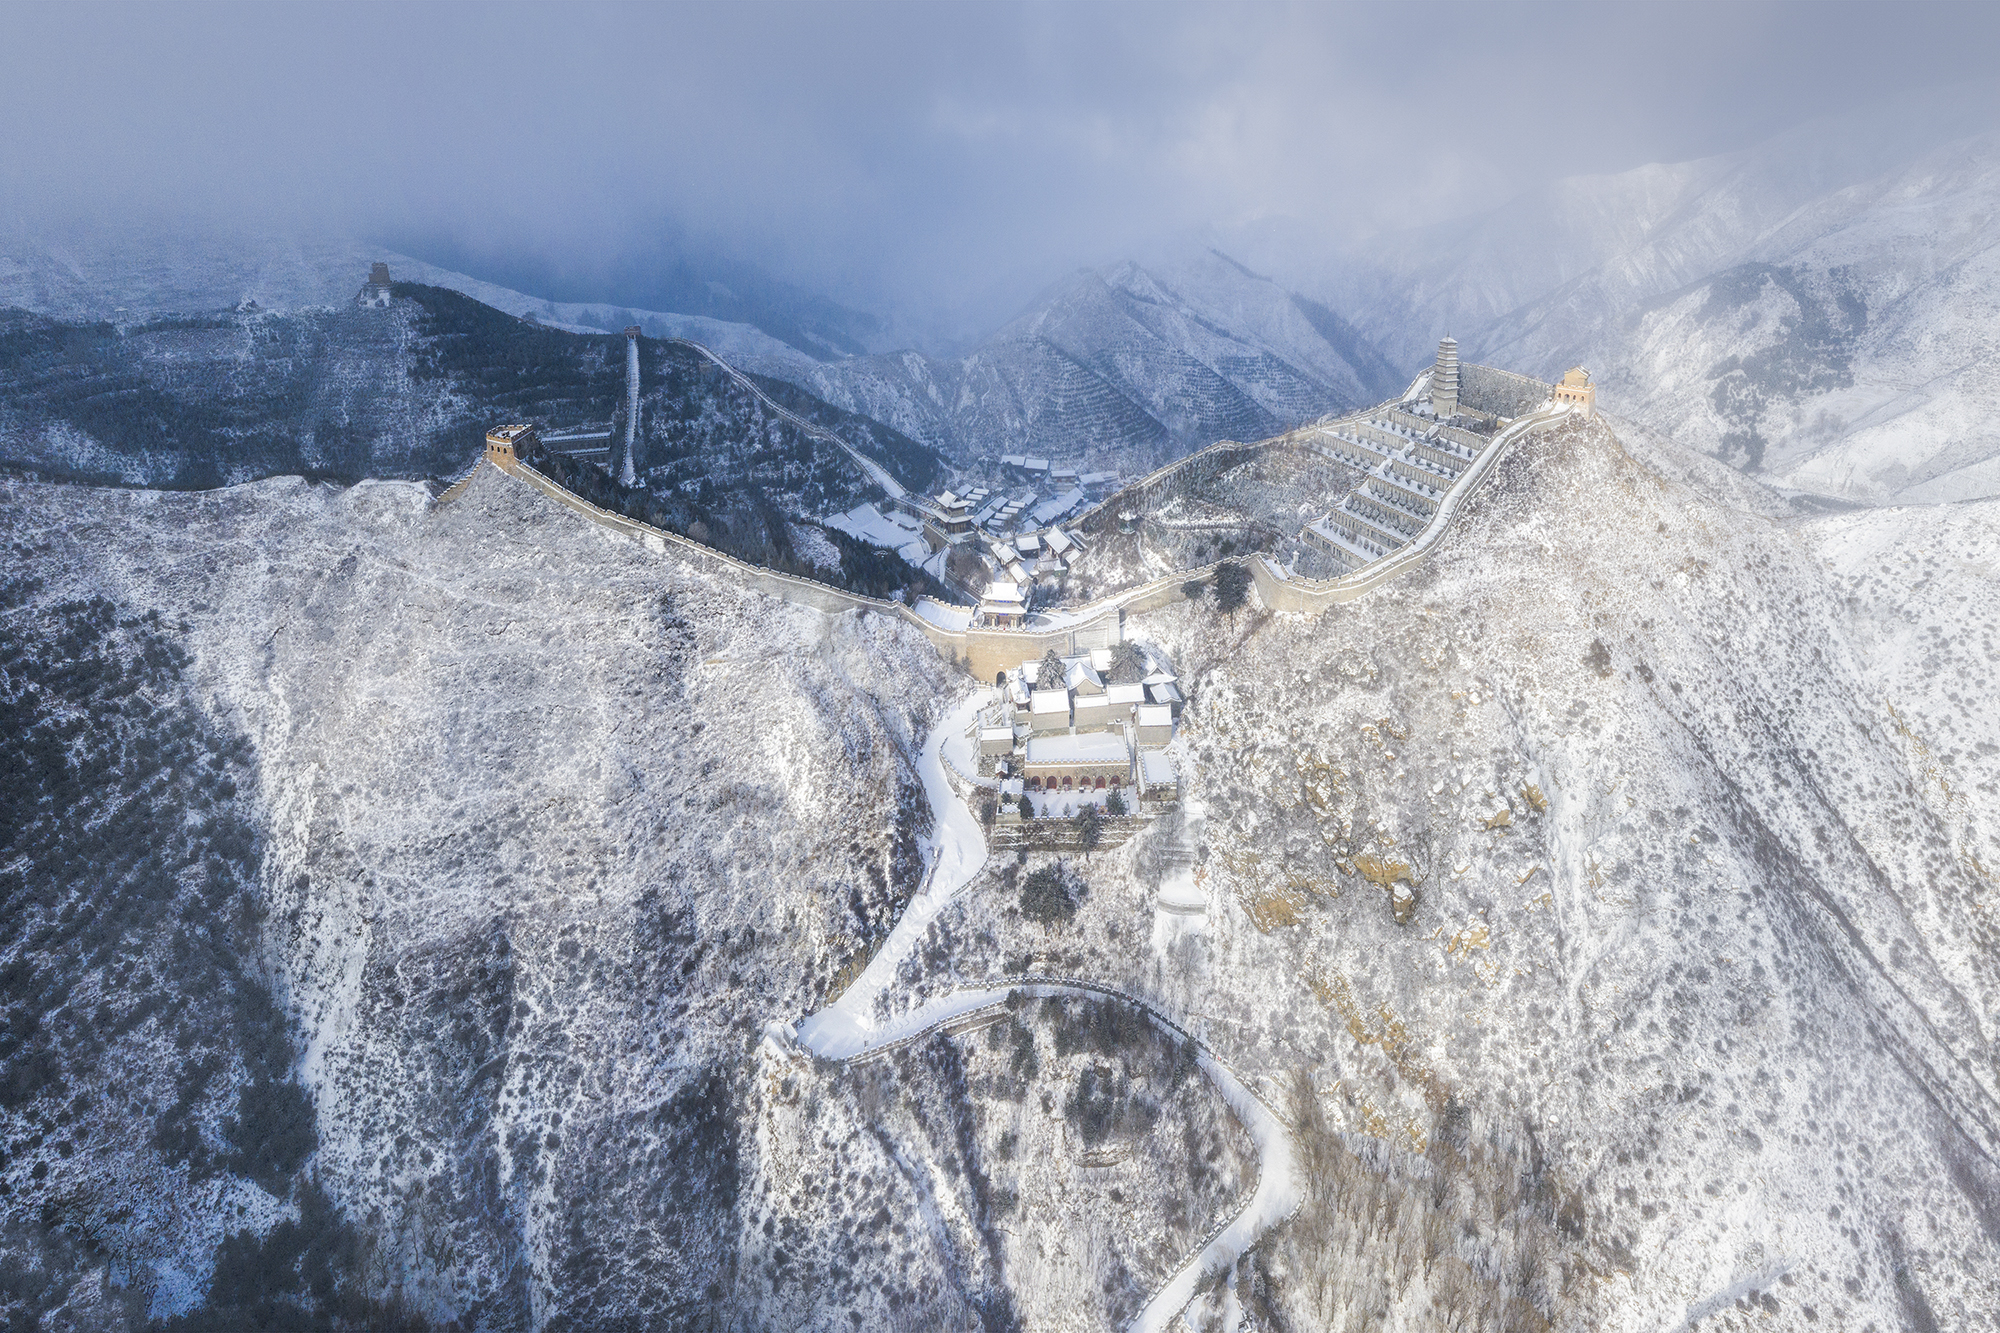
[[1815, 308], [1123, 365]]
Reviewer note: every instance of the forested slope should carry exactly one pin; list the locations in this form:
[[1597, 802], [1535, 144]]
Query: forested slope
[[344, 393]]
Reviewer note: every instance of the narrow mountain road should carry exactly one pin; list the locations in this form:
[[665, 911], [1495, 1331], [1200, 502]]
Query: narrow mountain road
[[848, 1029]]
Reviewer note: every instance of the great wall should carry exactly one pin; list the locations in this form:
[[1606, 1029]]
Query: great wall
[[1387, 433]]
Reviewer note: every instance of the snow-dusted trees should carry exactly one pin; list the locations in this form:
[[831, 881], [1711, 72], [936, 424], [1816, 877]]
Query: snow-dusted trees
[[1232, 586]]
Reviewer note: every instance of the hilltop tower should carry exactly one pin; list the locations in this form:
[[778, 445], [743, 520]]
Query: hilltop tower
[[628, 468], [1444, 379], [1578, 392], [506, 444], [374, 293]]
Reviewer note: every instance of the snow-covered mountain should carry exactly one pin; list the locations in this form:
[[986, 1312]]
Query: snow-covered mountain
[[1123, 367], [130, 276], [398, 897], [1815, 308]]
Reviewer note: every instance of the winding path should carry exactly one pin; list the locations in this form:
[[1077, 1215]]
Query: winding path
[[848, 1029]]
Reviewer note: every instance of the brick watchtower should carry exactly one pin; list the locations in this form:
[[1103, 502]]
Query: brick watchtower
[[1578, 392], [374, 293], [506, 444]]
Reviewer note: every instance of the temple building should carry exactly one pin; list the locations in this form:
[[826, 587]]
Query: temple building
[[1002, 605], [1444, 380]]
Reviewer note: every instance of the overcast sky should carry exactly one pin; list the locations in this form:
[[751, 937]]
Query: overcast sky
[[916, 155]]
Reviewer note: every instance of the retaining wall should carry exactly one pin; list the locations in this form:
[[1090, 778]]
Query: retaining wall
[[1500, 392]]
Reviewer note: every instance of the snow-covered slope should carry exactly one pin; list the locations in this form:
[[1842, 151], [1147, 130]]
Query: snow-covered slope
[[1695, 1017], [523, 888], [1124, 368], [1703, 807]]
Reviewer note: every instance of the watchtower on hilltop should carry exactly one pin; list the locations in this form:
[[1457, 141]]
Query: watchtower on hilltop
[[374, 293], [506, 444], [1577, 391]]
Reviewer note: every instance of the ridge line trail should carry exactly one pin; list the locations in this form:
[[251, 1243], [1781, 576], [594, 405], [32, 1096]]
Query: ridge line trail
[[847, 1029]]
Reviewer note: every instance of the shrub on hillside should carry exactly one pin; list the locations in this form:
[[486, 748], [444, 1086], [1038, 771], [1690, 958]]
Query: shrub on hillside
[[1232, 586], [1050, 894]]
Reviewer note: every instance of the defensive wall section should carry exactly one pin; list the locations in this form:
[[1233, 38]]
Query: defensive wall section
[[984, 650], [1500, 393], [987, 650]]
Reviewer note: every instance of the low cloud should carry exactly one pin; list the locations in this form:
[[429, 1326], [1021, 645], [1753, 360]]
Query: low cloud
[[922, 159]]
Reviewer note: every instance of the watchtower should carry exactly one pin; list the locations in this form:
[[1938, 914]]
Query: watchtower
[[506, 444], [1577, 392], [374, 293]]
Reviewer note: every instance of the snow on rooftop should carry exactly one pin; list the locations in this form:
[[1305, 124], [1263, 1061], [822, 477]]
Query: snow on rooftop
[[1049, 701], [1155, 715], [867, 523], [1155, 766], [1092, 748], [1048, 511]]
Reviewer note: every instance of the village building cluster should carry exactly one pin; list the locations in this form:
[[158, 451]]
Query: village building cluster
[[1085, 723], [997, 545]]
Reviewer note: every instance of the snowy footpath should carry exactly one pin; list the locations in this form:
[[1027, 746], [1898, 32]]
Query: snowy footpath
[[848, 1028]]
